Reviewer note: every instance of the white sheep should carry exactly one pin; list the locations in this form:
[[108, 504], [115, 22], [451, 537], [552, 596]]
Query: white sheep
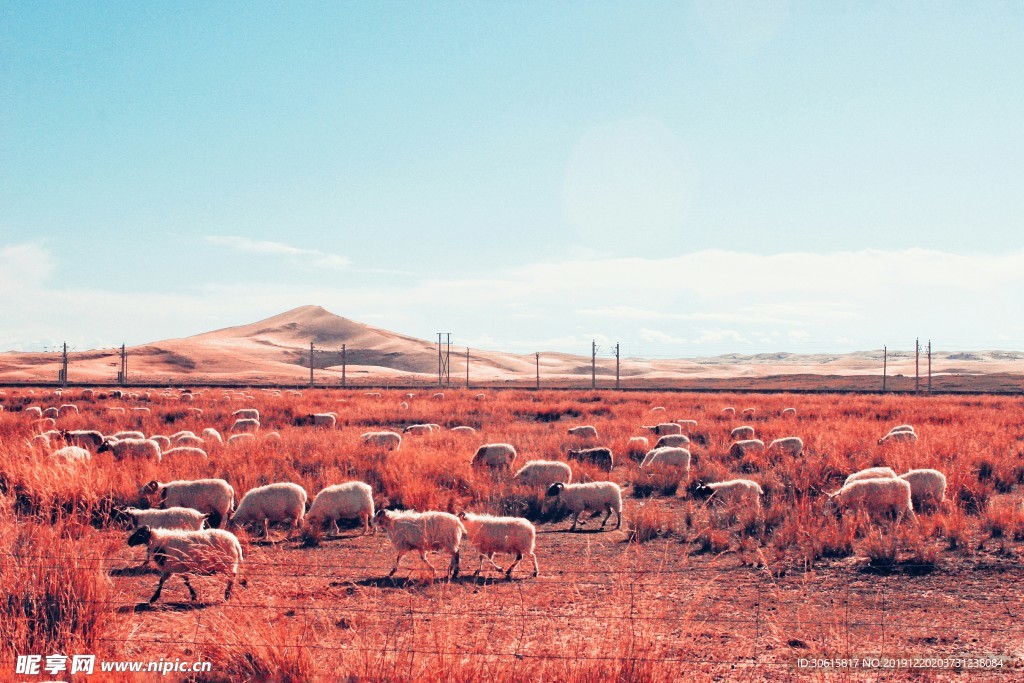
[[462, 429], [403, 406], [791, 445], [789, 412], [84, 438], [128, 435], [72, 454], [33, 411], [658, 409], [163, 441], [668, 456], [439, 396], [876, 496], [185, 432], [280, 502], [67, 409], [171, 518], [897, 437], [418, 429], [495, 455], [584, 432], [543, 473], [175, 551], [687, 424], [595, 497], [512, 535], [902, 428], [246, 413], [350, 500], [748, 412], [871, 473], [213, 496], [665, 428], [927, 487], [728, 411], [637, 446], [179, 452], [212, 435], [142, 449], [241, 440], [741, 433], [480, 397], [422, 531], [600, 456], [673, 440], [390, 441], [733, 494], [328, 420], [741, 448], [245, 425], [142, 411]]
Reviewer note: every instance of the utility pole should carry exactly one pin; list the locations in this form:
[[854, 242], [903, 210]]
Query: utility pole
[[311, 364], [467, 367], [929, 367], [885, 366], [917, 365], [537, 361], [616, 365], [63, 375], [122, 374], [593, 364], [444, 354], [343, 365]]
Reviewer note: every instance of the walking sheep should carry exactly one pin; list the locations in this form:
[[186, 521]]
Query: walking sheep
[[280, 502], [390, 441], [741, 448], [495, 456], [351, 500], [141, 449], [171, 518], [594, 497], [741, 433], [600, 456], [790, 445], [204, 552], [543, 473], [584, 432], [871, 473], [422, 531], [512, 535], [673, 441], [876, 496], [213, 496], [733, 494]]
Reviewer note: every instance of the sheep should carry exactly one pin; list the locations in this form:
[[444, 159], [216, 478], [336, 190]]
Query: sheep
[[438, 396], [462, 429], [658, 409], [637, 446], [480, 397], [871, 473], [47, 422], [417, 429], [269, 437], [902, 428], [245, 425], [163, 441], [512, 535], [353, 499], [241, 439], [728, 411], [895, 437], [317, 420], [673, 440], [171, 518], [668, 456], [410, 395], [422, 531], [602, 457], [791, 445], [741, 433], [213, 496], [189, 441], [595, 496], [748, 412], [175, 551], [390, 441], [877, 496], [741, 448], [665, 428], [143, 449], [212, 435], [687, 424], [373, 394], [33, 411], [280, 502], [495, 455], [789, 412], [733, 494], [543, 473], [177, 435], [927, 487], [70, 454], [246, 414], [185, 452], [403, 406], [142, 411], [186, 398], [584, 432], [128, 435], [45, 439], [85, 438], [67, 409]]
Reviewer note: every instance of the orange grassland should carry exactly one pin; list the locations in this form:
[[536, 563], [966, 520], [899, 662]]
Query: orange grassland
[[679, 592]]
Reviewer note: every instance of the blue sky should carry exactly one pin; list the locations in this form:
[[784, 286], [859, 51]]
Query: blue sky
[[685, 178]]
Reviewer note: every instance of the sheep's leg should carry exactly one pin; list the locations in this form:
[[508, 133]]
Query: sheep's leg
[[618, 518], [159, 587], [397, 560], [227, 591], [366, 523], [490, 558], [334, 526], [266, 528], [191, 590], [536, 567], [147, 558], [606, 517], [575, 520], [453, 567], [423, 556], [480, 567], [508, 572]]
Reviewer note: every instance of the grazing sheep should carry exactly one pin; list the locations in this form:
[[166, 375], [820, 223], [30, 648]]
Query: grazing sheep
[[67, 409], [269, 437], [128, 435], [186, 398], [280, 502], [733, 494], [495, 456], [45, 439], [212, 496], [70, 454], [33, 411], [328, 420], [439, 396], [595, 497], [163, 441], [871, 473], [179, 452], [897, 437], [584, 432], [658, 409], [668, 456], [462, 429], [927, 487], [373, 394], [902, 428], [418, 429], [602, 457], [637, 446], [115, 409], [175, 551], [789, 412], [480, 397], [512, 535], [791, 445], [741, 448], [390, 441], [665, 428], [687, 424], [748, 412], [171, 518], [246, 414], [143, 449], [241, 440], [543, 473], [741, 433], [422, 531], [212, 435], [350, 500], [84, 438], [403, 406], [190, 441], [142, 411], [177, 435], [728, 412], [876, 496], [673, 440], [245, 425]]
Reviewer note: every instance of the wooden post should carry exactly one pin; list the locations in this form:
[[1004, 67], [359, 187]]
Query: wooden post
[[616, 365], [885, 366], [917, 365], [343, 359], [311, 364], [929, 366], [537, 361], [593, 364]]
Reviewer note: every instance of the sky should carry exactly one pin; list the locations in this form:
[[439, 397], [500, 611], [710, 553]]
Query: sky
[[683, 178]]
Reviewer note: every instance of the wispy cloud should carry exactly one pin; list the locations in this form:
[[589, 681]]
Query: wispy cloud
[[311, 257]]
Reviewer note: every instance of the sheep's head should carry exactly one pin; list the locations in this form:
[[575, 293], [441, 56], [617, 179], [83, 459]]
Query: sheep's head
[[554, 490], [140, 536], [107, 445], [701, 490]]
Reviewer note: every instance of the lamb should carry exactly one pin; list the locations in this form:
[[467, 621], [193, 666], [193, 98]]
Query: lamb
[[246, 414], [280, 502], [602, 457], [665, 428], [245, 425], [741, 433], [423, 531], [512, 535], [212, 435], [543, 473], [877, 496], [791, 445], [673, 441], [897, 437], [328, 420], [871, 473], [390, 441], [185, 452], [637, 446], [84, 438], [741, 448], [70, 454], [462, 429], [733, 494], [668, 456], [213, 496], [595, 496], [495, 455], [584, 432], [142, 449], [171, 518], [353, 499], [175, 551], [927, 487]]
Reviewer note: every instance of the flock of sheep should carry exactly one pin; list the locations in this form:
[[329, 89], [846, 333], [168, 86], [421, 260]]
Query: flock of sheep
[[182, 534]]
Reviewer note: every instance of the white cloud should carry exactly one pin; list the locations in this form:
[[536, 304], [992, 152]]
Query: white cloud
[[24, 266], [310, 257]]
